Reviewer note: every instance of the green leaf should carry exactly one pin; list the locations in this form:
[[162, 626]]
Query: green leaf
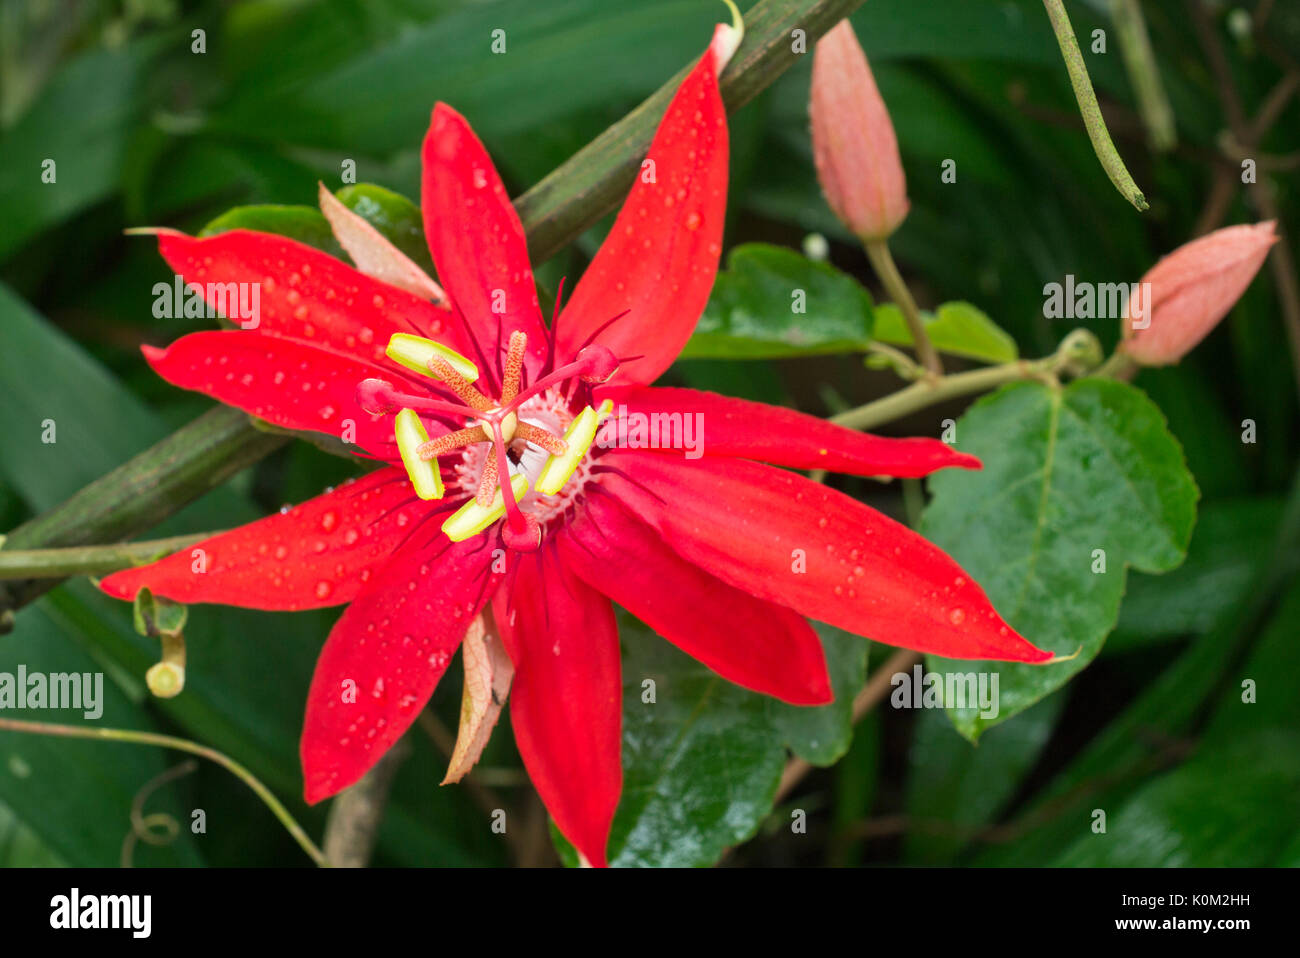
[[306, 224], [772, 302], [1067, 472], [701, 763], [1230, 542], [955, 787], [1188, 817], [67, 420], [396, 217], [20, 847], [103, 90], [957, 328]]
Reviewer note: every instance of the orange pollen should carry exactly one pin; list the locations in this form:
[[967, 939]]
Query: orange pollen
[[540, 437], [514, 366], [487, 484], [452, 440], [464, 390]]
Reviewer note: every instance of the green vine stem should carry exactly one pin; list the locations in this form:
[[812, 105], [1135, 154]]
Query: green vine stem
[[1078, 352], [147, 489], [89, 560], [1102, 144], [184, 745], [1140, 61], [882, 261]]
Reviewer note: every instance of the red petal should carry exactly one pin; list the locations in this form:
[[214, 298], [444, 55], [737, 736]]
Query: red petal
[[795, 542], [383, 659], [319, 553], [477, 241], [283, 381], [566, 702], [661, 255], [756, 644], [305, 294], [783, 437]]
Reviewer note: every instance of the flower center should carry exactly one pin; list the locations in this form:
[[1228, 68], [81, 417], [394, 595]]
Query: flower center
[[519, 452]]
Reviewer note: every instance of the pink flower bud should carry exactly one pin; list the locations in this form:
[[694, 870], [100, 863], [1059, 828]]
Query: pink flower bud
[[1184, 296], [853, 139]]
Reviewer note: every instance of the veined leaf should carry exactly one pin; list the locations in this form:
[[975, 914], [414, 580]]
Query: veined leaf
[[1078, 484], [772, 302], [957, 328]]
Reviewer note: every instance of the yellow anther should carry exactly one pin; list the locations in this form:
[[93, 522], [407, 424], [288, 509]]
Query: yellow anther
[[414, 352], [471, 518], [606, 408], [579, 437], [411, 435]]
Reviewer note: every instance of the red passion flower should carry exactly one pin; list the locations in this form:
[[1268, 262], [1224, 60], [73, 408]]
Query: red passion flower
[[717, 551]]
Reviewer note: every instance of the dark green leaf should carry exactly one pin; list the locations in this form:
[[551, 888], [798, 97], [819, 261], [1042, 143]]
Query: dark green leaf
[[1208, 812], [76, 794], [101, 90], [956, 787], [702, 762], [305, 224], [1072, 477], [772, 302], [1230, 541]]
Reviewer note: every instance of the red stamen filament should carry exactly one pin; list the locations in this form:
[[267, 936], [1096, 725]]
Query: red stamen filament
[[516, 518]]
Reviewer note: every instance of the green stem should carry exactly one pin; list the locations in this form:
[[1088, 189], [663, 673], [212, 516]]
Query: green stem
[[184, 745], [89, 560], [882, 261], [1102, 144], [1080, 347], [1118, 366], [1140, 61]]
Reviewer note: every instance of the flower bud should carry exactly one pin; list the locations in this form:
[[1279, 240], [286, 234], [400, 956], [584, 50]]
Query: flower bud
[[854, 146], [1184, 296]]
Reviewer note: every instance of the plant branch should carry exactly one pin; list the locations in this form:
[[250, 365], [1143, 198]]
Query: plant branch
[[356, 814], [1140, 61], [1078, 351], [1102, 144], [89, 560]]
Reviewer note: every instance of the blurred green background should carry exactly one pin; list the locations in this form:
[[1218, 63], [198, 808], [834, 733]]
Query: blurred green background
[[147, 132]]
